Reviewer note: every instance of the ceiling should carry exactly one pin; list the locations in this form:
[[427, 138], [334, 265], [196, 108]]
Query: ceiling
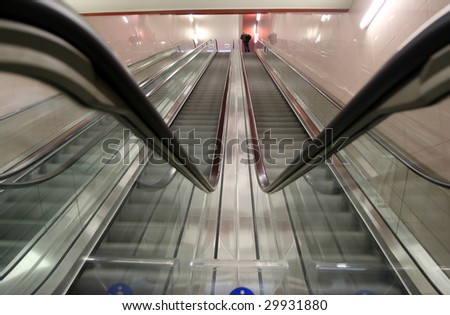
[[205, 6]]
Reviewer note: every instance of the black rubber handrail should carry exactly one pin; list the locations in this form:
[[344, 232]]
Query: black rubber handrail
[[61, 21], [424, 56], [405, 160]]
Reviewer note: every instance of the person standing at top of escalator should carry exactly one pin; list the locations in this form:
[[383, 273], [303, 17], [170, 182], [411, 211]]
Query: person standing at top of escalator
[[245, 40]]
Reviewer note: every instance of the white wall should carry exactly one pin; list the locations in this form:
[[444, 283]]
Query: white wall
[[134, 37], [224, 28], [147, 34]]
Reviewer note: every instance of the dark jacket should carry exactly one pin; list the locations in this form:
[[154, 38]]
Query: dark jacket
[[246, 38]]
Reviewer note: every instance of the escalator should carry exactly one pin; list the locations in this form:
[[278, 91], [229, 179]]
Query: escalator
[[139, 249], [343, 258], [141, 219]]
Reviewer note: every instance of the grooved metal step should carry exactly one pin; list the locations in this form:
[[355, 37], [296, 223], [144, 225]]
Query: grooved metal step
[[272, 112], [200, 113]]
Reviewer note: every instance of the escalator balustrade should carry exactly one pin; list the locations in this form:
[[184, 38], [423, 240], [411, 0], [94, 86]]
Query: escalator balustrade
[[343, 258], [28, 212]]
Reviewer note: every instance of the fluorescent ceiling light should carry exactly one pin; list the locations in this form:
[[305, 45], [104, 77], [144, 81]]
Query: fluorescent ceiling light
[[325, 17], [258, 16], [371, 13], [124, 18], [191, 18]]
